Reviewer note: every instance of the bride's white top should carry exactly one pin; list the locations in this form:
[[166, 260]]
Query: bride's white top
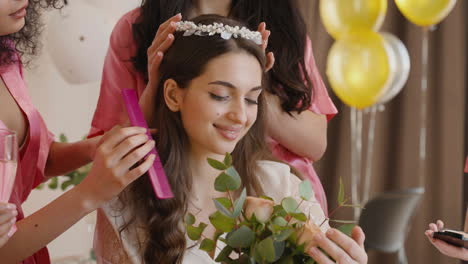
[[275, 178]]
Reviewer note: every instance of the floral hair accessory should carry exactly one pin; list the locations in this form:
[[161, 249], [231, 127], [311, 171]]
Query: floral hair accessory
[[225, 31]]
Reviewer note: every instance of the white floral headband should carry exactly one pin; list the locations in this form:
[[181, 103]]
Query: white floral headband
[[225, 31]]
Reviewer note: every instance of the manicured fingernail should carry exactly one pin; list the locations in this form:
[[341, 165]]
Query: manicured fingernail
[[11, 206], [330, 232]]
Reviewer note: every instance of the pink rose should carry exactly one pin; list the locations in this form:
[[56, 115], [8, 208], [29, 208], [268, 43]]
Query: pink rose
[[306, 235], [262, 208]]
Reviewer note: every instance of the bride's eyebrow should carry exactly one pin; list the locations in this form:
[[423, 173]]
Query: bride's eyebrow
[[232, 86]]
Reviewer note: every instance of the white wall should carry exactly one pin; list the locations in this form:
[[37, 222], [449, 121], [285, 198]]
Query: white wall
[[68, 108]]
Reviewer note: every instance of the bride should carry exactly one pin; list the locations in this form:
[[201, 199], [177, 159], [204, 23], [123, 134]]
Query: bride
[[209, 102]]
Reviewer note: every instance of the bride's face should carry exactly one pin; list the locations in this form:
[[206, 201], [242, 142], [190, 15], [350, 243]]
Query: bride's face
[[220, 106]]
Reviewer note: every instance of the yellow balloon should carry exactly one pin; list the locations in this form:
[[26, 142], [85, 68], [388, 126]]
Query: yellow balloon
[[425, 12], [341, 16], [358, 68]]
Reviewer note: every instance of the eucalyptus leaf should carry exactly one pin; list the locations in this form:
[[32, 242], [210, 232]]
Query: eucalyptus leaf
[[240, 238], [283, 235], [223, 256], [222, 222], [222, 209], [194, 233], [239, 204], [279, 249], [225, 202], [231, 171], [299, 216], [290, 205], [189, 219], [225, 183], [228, 160], [280, 221], [266, 250], [217, 164], [207, 245], [305, 190]]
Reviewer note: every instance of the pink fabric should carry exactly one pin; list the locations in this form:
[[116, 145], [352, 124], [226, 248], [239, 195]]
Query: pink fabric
[[119, 73], [321, 104], [34, 152]]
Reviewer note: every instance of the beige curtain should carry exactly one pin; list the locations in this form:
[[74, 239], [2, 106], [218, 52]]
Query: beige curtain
[[395, 159]]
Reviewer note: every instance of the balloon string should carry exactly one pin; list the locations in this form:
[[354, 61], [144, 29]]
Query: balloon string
[[423, 127], [356, 157], [369, 154], [354, 191]]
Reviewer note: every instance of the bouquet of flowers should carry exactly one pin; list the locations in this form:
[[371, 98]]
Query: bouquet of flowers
[[255, 229]]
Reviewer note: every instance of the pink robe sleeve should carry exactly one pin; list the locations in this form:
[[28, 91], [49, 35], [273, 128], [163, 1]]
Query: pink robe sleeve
[[118, 74], [321, 101]]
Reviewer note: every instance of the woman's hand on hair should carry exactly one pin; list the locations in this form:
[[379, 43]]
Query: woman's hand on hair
[[270, 58], [119, 160], [161, 42], [443, 247], [340, 247]]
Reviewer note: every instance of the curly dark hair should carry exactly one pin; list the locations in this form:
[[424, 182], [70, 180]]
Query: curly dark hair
[[287, 41], [25, 41]]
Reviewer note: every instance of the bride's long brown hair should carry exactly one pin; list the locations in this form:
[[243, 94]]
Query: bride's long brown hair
[[160, 220]]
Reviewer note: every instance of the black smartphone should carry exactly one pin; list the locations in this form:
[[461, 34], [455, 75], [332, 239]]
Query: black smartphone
[[456, 238]]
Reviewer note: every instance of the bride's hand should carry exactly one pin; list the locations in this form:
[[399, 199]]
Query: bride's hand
[[340, 247]]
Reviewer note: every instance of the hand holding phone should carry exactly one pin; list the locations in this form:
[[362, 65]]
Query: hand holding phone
[[449, 242]]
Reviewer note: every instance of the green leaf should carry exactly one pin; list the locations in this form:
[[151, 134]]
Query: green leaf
[[225, 182], [240, 238], [222, 209], [290, 205], [266, 198], [346, 228], [286, 260], [228, 160], [189, 219], [63, 138], [305, 190], [239, 204], [222, 222], [299, 216], [207, 245], [283, 235], [266, 250], [279, 249], [40, 186], [231, 171], [279, 211], [225, 202], [53, 184], [280, 221], [341, 193], [66, 184], [194, 233], [217, 164], [224, 254]]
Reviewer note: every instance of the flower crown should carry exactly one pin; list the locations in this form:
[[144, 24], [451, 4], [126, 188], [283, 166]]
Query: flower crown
[[225, 31]]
